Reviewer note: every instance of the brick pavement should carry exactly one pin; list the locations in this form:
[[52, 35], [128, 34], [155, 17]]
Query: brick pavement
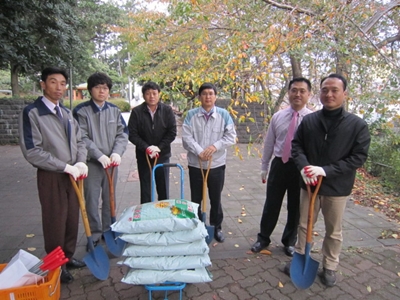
[[369, 267]]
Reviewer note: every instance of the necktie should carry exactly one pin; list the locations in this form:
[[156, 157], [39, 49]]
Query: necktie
[[58, 113], [289, 137]]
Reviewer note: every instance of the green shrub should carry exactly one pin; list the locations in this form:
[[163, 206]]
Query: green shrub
[[122, 104], [384, 160]]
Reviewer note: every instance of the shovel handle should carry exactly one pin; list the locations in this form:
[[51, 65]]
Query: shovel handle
[[205, 178], [79, 194], [110, 178], [310, 220]]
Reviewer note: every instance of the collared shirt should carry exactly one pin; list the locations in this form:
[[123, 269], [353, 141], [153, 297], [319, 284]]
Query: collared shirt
[[152, 113], [276, 134], [207, 114], [50, 104]]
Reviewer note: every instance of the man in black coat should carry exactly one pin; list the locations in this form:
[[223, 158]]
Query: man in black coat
[[152, 129]]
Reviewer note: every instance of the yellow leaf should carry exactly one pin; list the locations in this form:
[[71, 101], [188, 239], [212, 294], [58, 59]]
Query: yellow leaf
[[30, 235], [398, 274], [265, 252], [31, 249], [369, 289], [239, 221], [236, 246], [280, 284]]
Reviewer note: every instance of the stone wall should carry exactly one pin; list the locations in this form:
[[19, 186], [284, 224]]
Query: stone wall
[[9, 112], [247, 131]]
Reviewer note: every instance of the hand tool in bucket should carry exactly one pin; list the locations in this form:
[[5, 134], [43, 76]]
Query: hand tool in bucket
[[96, 259], [210, 228], [114, 244], [303, 268]]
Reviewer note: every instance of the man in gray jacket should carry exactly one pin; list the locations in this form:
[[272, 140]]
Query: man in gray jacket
[[106, 136], [206, 133], [50, 139]]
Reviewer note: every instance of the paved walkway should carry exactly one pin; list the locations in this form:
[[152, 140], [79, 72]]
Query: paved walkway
[[369, 267]]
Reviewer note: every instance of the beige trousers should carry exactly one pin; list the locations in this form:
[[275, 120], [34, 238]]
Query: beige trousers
[[332, 209]]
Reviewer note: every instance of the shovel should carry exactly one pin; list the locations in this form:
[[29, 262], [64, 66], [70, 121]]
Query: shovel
[[304, 268], [114, 244], [210, 228], [96, 259]]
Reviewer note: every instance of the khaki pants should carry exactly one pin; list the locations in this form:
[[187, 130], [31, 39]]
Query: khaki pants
[[332, 209]]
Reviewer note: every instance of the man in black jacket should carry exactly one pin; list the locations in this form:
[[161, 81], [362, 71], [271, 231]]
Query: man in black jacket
[[331, 143], [152, 128]]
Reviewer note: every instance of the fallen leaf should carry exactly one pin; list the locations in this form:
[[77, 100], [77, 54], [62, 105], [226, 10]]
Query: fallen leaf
[[398, 274], [215, 244], [243, 208], [370, 214], [395, 235], [239, 221], [265, 252], [31, 249], [243, 214], [236, 246], [251, 239], [30, 235], [241, 189], [229, 232], [249, 252], [315, 233], [280, 284], [229, 195], [369, 289]]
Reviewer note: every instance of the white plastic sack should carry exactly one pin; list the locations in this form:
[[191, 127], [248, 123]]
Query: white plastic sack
[[154, 276], [195, 248], [165, 215], [16, 273], [166, 238], [167, 262]]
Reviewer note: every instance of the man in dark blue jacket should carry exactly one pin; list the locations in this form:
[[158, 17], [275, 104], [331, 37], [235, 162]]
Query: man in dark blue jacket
[[331, 143], [152, 128]]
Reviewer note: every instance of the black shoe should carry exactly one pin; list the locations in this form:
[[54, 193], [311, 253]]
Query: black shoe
[[258, 246], [73, 263], [286, 270], [289, 250], [219, 236], [66, 276], [328, 277]]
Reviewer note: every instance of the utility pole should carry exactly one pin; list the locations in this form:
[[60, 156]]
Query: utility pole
[[70, 85]]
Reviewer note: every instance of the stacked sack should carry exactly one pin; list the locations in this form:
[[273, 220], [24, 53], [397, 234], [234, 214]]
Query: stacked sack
[[166, 243]]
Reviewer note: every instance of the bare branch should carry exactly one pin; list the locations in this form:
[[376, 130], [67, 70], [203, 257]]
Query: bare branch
[[379, 14], [290, 8]]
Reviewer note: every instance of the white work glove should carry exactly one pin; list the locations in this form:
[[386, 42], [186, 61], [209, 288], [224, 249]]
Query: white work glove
[[313, 172], [72, 170], [105, 161], [83, 169], [307, 178], [263, 176], [115, 159], [153, 151]]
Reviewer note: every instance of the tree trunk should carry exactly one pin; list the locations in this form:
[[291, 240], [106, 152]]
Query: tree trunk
[[14, 80], [296, 66]]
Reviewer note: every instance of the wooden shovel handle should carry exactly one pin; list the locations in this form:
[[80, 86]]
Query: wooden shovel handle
[[110, 178], [310, 220], [79, 194], [205, 178]]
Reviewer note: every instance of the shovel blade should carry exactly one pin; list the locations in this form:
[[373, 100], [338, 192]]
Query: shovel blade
[[115, 245], [210, 229], [98, 263], [303, 269]]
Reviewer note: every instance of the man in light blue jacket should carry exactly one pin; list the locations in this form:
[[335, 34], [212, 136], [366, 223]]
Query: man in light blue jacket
[[206, 133]]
